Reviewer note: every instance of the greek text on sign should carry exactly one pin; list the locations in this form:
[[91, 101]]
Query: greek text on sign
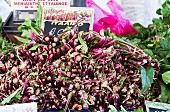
[[32, 4], [55, 20]]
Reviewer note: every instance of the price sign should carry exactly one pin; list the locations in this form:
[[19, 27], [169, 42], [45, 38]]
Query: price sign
[[57, 28], [55, 20], [157, 107], [26, 107]]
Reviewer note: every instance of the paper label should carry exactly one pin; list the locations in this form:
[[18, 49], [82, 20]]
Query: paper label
[[157, 107], [25, 107]]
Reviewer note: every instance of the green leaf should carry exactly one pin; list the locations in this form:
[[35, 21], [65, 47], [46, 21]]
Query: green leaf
[[165, 43], [150, 45], [112, 108], [13, 95], [34, 30], [147, 76], [165, 94], [165, 67], [29, 25], [159, 11], [18, 95], [25, 25], [25, 41], [121, 81], [26, 34], [39, 15], [3, 44], [168, 55], [158, 23], [142, 31], [69, 96], [164, 5], [168, 4], [33, 74], [68, 100], [165, 12], [139, 110], [166, 77], [149, 52], [167, 33], [123, 109], [107, 32], [82, 42], [36, 46]]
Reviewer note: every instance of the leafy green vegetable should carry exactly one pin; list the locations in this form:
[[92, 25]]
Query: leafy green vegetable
[[108, 33], [85, 48], [165, 94], [165, 43], [39, 15], [155, 41], [25, 41], [166, 77], [12, 96], [147, 76], [149, 52], [29, 26], [5, 46]]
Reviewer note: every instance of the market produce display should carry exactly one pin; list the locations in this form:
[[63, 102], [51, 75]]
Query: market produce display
[[76, 70], [155, 41], [79, 70]]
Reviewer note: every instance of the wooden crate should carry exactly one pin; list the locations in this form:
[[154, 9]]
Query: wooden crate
[[10, 32]]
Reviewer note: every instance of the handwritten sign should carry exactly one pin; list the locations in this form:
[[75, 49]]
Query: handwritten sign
[[32, 4], [55, 20], [157, 107], [25, 107], [56, 29]]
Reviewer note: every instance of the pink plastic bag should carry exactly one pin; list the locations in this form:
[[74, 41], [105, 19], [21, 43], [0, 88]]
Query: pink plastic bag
[[114, 18]]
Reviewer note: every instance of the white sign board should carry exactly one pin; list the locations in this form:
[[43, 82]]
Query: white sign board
[[25, 107], [32, 4], [5, 10]]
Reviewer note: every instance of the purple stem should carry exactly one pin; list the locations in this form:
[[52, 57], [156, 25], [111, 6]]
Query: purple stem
[[25, 85]]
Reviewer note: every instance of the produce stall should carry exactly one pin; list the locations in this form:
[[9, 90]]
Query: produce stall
[[84, 59]]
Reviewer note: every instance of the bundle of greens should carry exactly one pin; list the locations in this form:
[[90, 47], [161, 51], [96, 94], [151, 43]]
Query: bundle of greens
[[29, 26], [155, 41]]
